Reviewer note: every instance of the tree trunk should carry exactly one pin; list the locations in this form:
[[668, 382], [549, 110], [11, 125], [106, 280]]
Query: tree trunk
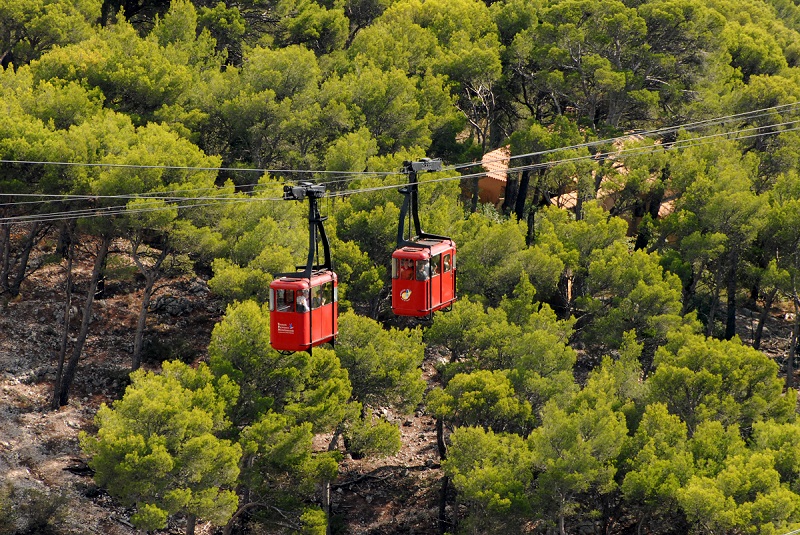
[[730, 319], [334, 443], [22, 264], [191, 521], [522, 194], [578, 202], [689, 291], [640, 525], [64, 239], [72, 365], [440, 443], [642, 239], [565, 287], [5, 240], [530, 235], [326, 505], [325, 497], [246, 499], [138, 337], [228, 529], [151, 275], [375, 305], [473, 207], [444, 524], [62, 348], [712, 313], [510, 197], [762, 318], [456, 508], [793, 343]]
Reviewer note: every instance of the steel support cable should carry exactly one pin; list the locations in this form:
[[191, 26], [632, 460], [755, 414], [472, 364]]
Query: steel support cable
[[182, 167], [45, 218], [355, 175], [163, 194], [117, 210], [638, 151], [237, 198], [45, 198], [56, 197], [158, 195], [648, 133], [685, 143]]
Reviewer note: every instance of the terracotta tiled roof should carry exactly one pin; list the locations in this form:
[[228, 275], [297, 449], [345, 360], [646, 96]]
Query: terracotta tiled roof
[[496, 163], [666, 208]]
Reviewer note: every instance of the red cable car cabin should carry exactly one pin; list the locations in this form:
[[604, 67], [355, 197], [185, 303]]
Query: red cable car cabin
[[303, 306], [303, 312], [423, 277], [423, 267]]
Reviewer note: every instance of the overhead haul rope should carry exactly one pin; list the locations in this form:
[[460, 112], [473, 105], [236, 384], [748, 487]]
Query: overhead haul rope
[[638, 151], [162, 195], [168, 195], [122, 209], [98, 212], [184, 167], [355, 175], [754, 114]]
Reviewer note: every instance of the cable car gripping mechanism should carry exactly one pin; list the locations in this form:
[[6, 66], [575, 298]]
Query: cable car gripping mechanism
[[316, 231], [411, 201]]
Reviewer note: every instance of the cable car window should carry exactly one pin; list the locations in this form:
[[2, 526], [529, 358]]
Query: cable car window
[[446, 263], [335, 294], [328, 293], [271, 300], [423, 270], [302, 300], [316, 297], [395, 269], [436, 261], [284, 300], [406, 269], [321, 295]]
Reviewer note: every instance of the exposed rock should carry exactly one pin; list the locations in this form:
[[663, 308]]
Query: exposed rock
[[199, 287], [173, 306]]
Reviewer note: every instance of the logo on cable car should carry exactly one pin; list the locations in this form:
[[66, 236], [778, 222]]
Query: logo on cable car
[[405, 295], [286, 328]]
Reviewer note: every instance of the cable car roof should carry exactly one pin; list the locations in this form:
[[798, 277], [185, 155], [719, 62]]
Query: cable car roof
[[295, 281]]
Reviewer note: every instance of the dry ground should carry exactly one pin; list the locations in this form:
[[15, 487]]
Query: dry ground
[[39, 448]]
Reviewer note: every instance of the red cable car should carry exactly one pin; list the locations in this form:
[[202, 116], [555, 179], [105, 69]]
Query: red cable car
[[423, 267], [304, 306]]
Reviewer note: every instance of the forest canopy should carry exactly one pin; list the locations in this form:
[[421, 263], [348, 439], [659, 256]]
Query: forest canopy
[[590, 373]]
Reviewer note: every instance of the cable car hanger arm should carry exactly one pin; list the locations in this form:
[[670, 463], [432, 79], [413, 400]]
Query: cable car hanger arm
[[316, 229], [411, 201]]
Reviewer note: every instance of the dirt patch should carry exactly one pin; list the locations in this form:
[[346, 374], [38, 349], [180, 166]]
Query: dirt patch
[[39, 448], [397, 494], [40, 456]]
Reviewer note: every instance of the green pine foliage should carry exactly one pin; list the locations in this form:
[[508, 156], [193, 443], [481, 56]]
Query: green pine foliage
[[591, 371], [158, 447]]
